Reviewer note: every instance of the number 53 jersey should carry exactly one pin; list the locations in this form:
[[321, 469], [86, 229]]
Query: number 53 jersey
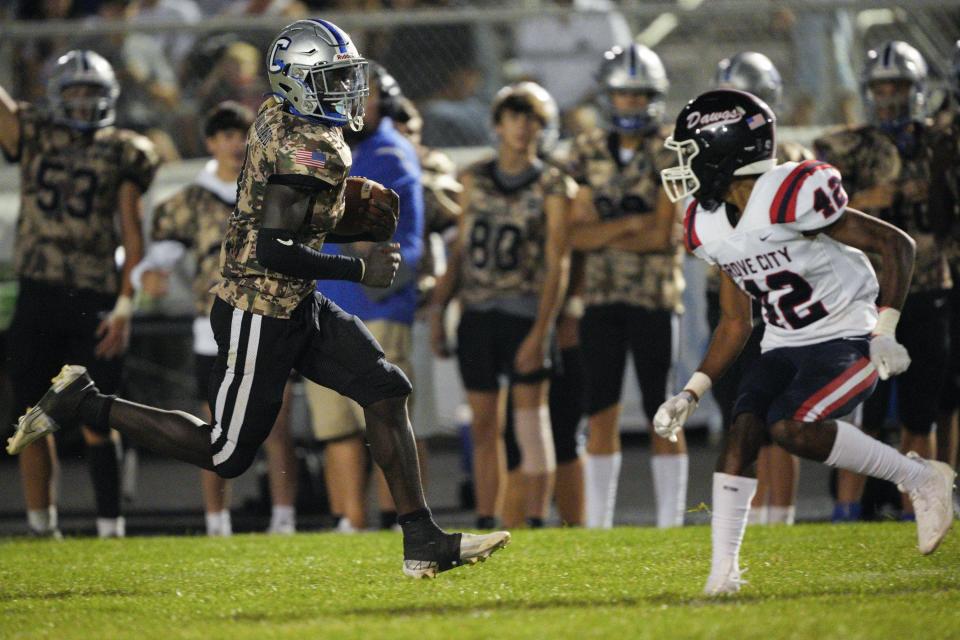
[[69, 225], [811, 288]]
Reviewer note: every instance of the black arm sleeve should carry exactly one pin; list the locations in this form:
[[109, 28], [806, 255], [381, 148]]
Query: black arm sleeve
[[279, 250]]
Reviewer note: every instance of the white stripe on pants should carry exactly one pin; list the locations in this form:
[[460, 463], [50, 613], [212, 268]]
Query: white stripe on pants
[[246, 383]]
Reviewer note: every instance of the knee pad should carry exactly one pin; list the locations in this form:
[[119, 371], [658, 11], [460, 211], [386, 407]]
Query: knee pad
[[535, 439], [566, 449]]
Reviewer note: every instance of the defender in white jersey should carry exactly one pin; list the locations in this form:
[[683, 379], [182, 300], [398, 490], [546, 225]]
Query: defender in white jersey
[[784, 236], [812, 288]]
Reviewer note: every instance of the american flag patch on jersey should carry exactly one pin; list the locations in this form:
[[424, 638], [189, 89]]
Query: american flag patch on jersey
[[756, 121], [316, 159]]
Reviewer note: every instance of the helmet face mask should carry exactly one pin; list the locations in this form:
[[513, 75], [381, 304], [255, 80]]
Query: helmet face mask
[[681, 181], [719, 136], [82, 91], [314, 67]]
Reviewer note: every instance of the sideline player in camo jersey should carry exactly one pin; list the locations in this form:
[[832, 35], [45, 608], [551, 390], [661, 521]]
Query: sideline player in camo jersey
[[508, 268], [886, 165], [777, 470], [627, 227], [783, 234], [268, 319], [945, 220], [193, 222], [81, 183]]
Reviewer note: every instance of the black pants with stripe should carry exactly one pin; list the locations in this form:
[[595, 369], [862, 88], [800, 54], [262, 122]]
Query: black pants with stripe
[[255, 355]]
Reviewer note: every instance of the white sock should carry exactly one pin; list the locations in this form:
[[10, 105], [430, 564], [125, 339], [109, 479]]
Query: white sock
[[219, 523], [855, 451], [283, 519], [111, 527], [781, 515], [758, 515], [344, 526], [603, 474], [670, 488], [731, 505], [39, 520]]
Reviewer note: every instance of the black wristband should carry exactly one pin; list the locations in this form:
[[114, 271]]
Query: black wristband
[[279, 250]]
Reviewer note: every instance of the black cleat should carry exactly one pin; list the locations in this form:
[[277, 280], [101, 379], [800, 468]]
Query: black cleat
[[449, 551], [56, 409]]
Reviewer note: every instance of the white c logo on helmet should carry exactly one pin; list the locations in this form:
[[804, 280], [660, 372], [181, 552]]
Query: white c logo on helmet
[[280, 45]]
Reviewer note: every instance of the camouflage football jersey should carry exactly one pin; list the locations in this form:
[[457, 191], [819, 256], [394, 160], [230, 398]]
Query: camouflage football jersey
[[440, 185], [945, 190], [867, 157], [280, 145], [787, 151], [69, 228], [196, 218], [653, 281], [504, 254]]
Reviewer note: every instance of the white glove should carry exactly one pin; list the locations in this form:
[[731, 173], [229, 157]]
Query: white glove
[[888, 356], [673, 413]]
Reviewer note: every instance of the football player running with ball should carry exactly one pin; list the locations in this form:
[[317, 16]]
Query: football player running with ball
[[783, 234], [267, 319]]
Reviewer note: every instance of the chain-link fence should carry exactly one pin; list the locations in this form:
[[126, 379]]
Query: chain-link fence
[[450, 61]]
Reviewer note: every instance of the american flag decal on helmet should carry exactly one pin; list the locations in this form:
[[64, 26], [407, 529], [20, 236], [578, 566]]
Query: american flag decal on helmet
[[755, 121], [310, 158]]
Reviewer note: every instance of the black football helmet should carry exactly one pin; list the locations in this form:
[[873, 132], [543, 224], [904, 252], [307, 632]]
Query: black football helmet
[[390, 92], [719, 135]]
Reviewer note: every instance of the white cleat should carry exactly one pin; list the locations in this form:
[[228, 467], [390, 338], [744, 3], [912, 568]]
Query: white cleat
[[933, 504], [726, 581], [474, 548], [31, 426], [69, 386]]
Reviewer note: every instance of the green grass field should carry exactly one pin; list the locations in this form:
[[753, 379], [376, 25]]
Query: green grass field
[[808, 581]]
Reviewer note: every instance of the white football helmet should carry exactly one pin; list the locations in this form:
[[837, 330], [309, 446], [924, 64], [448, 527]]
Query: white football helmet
[[315, 68], [895, 61], [752, 72], [634, 68], [83, 67]]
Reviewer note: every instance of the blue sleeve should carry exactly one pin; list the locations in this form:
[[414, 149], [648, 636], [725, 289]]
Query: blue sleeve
[[410, 226]]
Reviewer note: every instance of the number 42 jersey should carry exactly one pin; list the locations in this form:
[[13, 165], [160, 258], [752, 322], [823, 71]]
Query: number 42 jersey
[[811, 287]]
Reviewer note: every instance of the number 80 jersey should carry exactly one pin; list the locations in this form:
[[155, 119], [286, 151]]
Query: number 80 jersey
[[811, 288], [504, 252]]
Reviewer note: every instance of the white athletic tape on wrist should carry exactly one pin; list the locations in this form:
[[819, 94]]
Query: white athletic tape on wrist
[[535, 439], [699, 384], [887, 322], [123, 308], [366, 189]]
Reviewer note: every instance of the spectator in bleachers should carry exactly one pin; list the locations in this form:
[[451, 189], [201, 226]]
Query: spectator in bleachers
[[235, 76], [31, 57], [561, 52], [151, 94], [174, 44]]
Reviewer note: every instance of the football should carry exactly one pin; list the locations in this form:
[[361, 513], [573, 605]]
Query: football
[[369, 208], [360, 191]]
